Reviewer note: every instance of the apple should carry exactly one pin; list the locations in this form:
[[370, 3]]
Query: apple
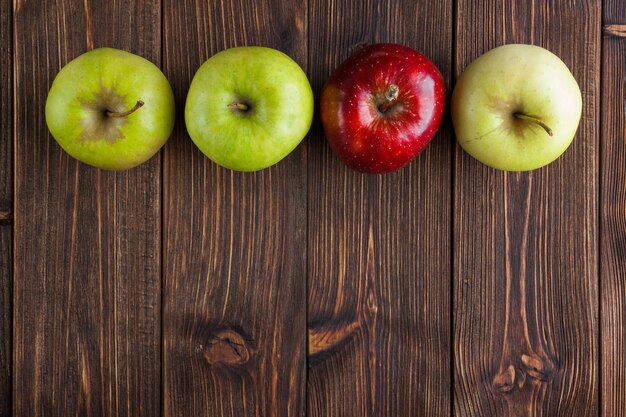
[[382, 107], [110, 109], [248, 107], [516, 108]]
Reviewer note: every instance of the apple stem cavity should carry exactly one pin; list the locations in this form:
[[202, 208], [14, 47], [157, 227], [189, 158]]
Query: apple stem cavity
[[126, 113], [239, 106], [534, 120], [390, 97]]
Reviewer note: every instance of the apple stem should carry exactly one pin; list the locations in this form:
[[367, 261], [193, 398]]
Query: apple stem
[[238, 106], [534, 120], [127, 112], [390, 97]]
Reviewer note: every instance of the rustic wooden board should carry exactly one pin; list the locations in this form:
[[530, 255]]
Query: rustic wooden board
[[5, 319], [374, 267], [526, 245], [234, 243], [613, 212], [6, 202], [379, 250], [87, 242]]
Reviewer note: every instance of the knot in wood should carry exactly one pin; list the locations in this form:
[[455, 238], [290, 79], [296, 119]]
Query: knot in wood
[[504, 381], [371, 303], [6, 216], [538, 367], [227, 347], [327, 339]]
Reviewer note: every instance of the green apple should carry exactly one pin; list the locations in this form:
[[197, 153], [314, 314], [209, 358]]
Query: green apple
[[516, 108], [110, 109], [248, 107]]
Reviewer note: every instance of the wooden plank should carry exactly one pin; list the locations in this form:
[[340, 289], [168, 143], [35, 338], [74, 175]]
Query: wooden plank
[[5, 319], [526, 244], [235, 269], [612, 213], [6, 202], [379, 246], [87, 242]]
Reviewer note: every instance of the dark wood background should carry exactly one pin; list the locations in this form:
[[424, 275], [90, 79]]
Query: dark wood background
[[182, 289]]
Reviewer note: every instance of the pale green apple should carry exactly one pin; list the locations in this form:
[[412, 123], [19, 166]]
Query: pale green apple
[[248, 107], [516, 108], [110, 109]]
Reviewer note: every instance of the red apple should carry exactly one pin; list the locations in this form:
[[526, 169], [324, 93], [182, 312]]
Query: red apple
[[382, 107]]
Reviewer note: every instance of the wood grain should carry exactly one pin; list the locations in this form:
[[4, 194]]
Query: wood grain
[[6, 202], [234, 251], [378, 246], [87, 242], [526, 244], [613, 212], [307, 288]]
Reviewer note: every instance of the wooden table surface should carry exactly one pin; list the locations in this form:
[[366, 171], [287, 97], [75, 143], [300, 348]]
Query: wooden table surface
[[182, 289]]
